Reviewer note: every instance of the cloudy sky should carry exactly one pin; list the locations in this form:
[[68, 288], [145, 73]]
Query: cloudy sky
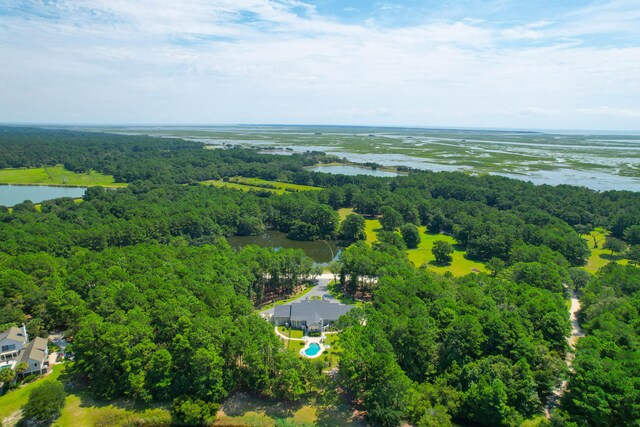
[[544, 64]]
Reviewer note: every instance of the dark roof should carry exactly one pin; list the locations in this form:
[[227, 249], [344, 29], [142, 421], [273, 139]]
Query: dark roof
[[282, 310], [311, 311]]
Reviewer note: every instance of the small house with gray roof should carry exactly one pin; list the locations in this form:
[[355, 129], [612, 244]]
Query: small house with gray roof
[[309, 315]]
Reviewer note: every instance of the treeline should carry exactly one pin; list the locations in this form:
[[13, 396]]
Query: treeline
[[604, 390], [155, 322], [432, 349]]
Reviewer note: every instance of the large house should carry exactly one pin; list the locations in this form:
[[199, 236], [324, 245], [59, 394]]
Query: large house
[[309, 315], [11, 342], [16, 348], [36, 356]]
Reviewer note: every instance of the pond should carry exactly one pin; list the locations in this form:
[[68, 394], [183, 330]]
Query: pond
[[11, 195], [351, 170], [321, 251]]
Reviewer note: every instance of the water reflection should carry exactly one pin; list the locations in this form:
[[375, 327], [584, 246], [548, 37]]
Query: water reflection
[[321, 251]]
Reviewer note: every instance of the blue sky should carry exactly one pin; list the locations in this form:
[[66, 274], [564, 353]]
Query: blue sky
[[511, 64]]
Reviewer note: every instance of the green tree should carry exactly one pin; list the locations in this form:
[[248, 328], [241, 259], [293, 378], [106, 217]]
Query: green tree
[[21, 367], [353, 228], [632, 235], [495, 266], [7, 375], [45, 402], [442, 251], [633, 255], [391, 218], [614, 245], [411, 235]]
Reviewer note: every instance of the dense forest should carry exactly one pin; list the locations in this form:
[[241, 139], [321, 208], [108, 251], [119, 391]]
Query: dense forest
[[161, 309]]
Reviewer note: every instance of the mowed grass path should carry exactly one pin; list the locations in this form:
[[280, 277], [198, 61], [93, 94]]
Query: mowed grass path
[[56, 175], [600, 257], [257, 184]]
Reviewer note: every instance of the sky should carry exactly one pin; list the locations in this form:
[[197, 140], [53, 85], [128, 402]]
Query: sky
[[545, 64]]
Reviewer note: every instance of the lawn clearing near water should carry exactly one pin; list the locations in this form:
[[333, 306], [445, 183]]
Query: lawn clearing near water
[[257, 184], [57, 176]]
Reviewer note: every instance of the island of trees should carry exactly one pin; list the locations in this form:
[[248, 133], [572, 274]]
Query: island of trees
[[160, 309]]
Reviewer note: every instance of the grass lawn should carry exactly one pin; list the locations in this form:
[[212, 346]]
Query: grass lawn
[[291, 333], [422, 254], [14, 400], [332, 354], [82, 410], [600, 257], [257, 182], [371, 227], [245, 410], [56, 175], [248, 184], [344, 212]]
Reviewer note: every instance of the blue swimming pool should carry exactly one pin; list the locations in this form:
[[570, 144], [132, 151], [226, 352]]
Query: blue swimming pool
[[314, 348]]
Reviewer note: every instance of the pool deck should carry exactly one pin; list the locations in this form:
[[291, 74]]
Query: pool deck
[[310, 340]]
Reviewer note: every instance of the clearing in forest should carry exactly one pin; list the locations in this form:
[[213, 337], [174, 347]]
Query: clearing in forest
[[56, 175], [257, 184], [599, 256]]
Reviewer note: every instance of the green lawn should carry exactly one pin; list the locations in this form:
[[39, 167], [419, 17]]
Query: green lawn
[[14, 400], [344, 212], [332, 354], [422, 254], [600, 257], [291, 333], [248, 184], [244, 410], [56, 175], [81, 410], [257, 182]]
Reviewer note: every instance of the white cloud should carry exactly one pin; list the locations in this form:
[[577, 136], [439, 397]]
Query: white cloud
[[258, 61]]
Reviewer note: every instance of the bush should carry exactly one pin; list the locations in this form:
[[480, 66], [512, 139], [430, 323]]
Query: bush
[[45, 402]]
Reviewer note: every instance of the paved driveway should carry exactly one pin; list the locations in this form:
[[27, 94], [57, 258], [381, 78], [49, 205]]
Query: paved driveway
[[319, 290]]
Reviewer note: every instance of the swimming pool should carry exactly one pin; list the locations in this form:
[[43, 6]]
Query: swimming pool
[[312, 350]]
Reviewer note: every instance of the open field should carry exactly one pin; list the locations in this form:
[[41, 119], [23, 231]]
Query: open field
[[600, 257], [256, 184], [56, 175], [344, 212], [291, 333], [244, 410], [598, 161], [263, 183], [81, 410], [422, 254]]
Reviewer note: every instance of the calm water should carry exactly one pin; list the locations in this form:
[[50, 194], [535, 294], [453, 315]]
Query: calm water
[[11, 195], [351, 170], [321, 251]]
